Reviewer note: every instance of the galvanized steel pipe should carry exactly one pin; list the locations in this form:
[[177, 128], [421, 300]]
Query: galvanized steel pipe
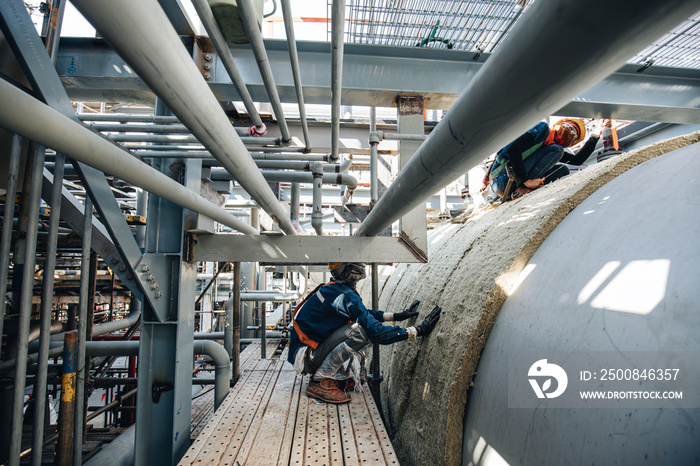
[[519, 85], [23, 114], [39, 392], [250, 23], [217, 38], [337, 47], [141, 33], [25, 303], [8, 217], [294, 59]]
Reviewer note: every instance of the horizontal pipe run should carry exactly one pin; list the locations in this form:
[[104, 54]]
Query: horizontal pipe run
[[128, 118], [141, 33], [186, 138], [304, 177], [177, 128], [398, 137], [517, 86], [25, 115]]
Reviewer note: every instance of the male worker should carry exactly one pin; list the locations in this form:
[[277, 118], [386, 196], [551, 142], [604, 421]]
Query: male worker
[[331, 327], [532, 155]]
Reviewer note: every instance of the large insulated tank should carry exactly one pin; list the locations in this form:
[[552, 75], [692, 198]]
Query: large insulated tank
[[596, 271]]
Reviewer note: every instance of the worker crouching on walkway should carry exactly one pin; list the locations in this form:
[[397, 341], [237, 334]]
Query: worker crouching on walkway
[[331, 328]]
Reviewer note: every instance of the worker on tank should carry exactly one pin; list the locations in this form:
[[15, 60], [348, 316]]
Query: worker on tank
[[331, 328], [532, 157]]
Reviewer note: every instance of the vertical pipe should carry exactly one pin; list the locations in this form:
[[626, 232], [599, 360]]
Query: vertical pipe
[[375, 370], [217, 38], [82, 334], [250, 23], [337, 45], [294, 59], [53, 35], [373, 157], [8, 219], [236, 321], [263, 330], [317, 210], [132, 400], [294, 205], [66, 417], [39, 392], [25, 309]]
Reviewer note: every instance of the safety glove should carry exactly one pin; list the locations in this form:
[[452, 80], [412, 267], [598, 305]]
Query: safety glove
[[429, 322], [408, 313]]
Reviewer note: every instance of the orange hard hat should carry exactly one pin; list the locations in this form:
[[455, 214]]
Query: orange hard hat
[[572, 130]]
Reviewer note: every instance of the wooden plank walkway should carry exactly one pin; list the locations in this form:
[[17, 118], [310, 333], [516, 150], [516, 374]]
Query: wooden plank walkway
[[267, 419]]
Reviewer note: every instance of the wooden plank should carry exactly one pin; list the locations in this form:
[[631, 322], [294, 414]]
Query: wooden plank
[[368, 448], [289, 428], [246, 415], [380, 429], [297, 454]]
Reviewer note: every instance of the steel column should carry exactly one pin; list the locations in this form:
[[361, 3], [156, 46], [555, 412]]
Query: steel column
[[494, 110]]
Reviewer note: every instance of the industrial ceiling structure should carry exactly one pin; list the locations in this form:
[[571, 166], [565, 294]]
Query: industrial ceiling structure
[[182, 148]]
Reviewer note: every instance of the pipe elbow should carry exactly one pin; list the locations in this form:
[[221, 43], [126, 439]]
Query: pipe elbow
[[375, 137]]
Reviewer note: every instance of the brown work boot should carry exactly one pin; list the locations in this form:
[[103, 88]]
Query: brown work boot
[[347, 385], [327, 390], [520, 192]]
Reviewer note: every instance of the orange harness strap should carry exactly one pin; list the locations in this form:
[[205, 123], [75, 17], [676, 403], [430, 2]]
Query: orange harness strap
[[300, 333]]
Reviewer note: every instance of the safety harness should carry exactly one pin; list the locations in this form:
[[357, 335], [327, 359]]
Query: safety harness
[[501, 161], [300, 333]]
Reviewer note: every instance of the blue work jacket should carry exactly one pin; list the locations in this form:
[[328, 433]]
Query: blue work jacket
[[334, 305]]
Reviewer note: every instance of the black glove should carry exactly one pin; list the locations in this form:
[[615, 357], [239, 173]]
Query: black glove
[[408, 313], [429, 322]]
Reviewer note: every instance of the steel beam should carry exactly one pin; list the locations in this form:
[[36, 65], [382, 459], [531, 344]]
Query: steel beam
[[518, 86], [375, 75], [304, 249]]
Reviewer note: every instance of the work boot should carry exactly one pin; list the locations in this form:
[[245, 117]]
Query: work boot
[[347, 385], [327, 390], [520, 192]]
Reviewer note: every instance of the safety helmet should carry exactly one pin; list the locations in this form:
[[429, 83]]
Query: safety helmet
[[569, 131], [347, 272]]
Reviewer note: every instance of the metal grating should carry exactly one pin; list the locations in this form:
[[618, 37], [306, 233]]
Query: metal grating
[[481, 25], [475, 25], [680, 48]]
